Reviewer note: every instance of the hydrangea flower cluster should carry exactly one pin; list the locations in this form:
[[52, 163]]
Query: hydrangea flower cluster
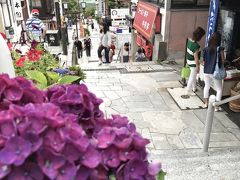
[[62, 134]]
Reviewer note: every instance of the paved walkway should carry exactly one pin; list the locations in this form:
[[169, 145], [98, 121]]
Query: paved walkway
[[144, 99]]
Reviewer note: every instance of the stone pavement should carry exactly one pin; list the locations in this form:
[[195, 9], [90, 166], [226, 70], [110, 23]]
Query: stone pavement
[[143, 98]]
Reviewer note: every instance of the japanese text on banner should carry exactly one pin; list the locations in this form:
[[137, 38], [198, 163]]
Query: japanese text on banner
[[18, 10]]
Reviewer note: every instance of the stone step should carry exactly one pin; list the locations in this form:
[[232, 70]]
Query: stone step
[[194, 165]]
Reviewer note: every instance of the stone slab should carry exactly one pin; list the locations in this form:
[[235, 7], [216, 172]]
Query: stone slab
[[165, 122], [175, 141], [216, 127], [219, 137], [160, 141], [190, 139], [191, 121], [111, 95]]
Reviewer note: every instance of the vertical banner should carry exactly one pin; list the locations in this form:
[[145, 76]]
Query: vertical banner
[[18, 10], [212, 19]]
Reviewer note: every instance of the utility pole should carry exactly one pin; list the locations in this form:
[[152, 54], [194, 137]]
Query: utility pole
[[61, 28]]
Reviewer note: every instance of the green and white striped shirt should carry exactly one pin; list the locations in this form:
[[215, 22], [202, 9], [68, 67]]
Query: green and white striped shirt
[[192, 47]]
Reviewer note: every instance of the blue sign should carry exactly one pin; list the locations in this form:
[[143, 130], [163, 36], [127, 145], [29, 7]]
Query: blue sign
[[212, 19]]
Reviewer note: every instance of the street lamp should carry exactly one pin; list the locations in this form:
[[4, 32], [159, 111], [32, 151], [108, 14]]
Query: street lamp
[[65, 5], [83, 4], [3, 1]]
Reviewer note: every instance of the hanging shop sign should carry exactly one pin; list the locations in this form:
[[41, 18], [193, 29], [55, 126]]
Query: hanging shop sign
[[212, 19], [139, 40], [18, 10], [145, 18]]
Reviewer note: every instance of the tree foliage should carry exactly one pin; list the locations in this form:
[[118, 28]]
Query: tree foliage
[[90, 11]]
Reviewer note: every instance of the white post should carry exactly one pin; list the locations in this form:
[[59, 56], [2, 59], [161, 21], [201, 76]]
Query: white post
[[6, 62], [208, 123]]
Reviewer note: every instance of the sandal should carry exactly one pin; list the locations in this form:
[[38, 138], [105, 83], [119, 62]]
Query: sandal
[[218, 109]]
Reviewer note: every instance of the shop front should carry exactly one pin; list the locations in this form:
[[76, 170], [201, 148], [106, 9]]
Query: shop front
[[147, 24]]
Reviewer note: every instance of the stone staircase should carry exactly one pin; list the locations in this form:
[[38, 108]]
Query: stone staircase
[[218, 164]]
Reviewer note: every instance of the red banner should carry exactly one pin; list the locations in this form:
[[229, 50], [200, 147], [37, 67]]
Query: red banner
[[145, 18], [139, 40]]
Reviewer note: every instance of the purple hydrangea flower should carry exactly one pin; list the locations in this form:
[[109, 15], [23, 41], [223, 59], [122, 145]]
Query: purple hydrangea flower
[[91, 158], [71, 153], [123, 139], [4, 170], [105, 137], [15, 152], [76, 135], [154, 168], [67, 172], [28, 171], [50, 163], [35, 140], [135, 169], [23, 82], [53, 139], [7, 125], [140, 142], [13, 93], [83, 173], [110, 157], [3, 86]]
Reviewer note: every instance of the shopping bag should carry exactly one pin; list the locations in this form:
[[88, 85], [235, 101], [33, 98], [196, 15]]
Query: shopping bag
[[185, 72], [219, 72]]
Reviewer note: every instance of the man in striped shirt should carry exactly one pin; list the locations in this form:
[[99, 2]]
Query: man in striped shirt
[[35, 27]]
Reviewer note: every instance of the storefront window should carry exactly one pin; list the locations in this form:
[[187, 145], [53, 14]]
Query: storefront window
[[190, 3], [36, 3], [160, 3]]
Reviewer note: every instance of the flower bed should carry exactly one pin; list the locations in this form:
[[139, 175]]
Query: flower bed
[[39, 65], [62, 134]]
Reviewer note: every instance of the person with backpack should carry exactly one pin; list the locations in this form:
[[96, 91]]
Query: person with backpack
[[212, 55], [35, 27], [87, 45]]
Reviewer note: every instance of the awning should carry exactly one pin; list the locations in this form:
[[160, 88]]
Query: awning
[[145, 19]]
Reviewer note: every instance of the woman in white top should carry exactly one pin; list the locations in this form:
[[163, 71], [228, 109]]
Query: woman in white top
[[105, 43]]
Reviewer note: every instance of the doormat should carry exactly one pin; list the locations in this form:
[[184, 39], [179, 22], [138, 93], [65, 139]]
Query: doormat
[[185, 102]]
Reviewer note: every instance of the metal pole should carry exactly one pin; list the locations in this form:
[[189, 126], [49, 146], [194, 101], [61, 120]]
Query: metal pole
[[208, 123], [76, 27]]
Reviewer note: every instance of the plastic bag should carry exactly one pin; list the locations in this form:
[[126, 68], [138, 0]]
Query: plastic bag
[[185, 72]]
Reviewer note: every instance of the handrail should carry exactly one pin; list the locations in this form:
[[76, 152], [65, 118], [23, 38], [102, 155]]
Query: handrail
[[209, 118], [226, 100]]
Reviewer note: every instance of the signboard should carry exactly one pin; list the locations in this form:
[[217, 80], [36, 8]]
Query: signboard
[[212, 19], [119, 13], [145, 19], [139, 40], [18, 10]]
